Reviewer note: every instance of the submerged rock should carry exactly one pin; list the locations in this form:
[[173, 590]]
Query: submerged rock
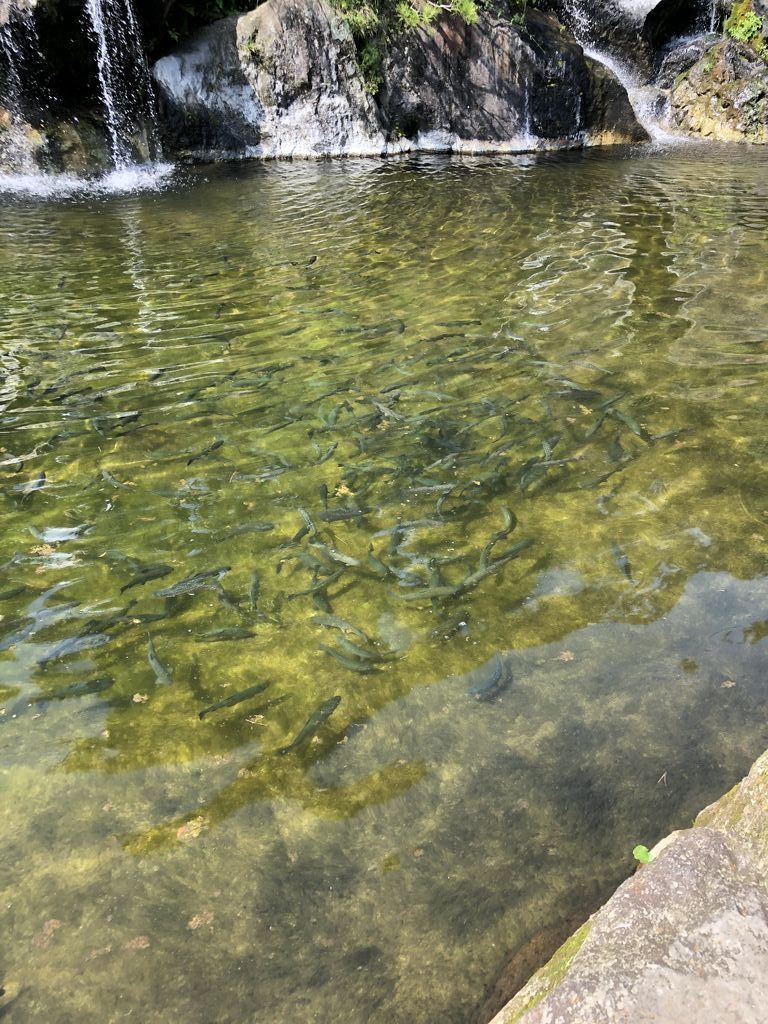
[[724, 96], [689, 930], [284, 80]]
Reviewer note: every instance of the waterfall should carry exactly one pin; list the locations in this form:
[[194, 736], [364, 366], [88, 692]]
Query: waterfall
[[18, 50], [124, 80]]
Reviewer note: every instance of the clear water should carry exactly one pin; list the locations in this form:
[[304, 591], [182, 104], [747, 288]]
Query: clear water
[[411, 340]]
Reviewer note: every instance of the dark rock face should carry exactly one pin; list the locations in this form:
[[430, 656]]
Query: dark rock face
[[284, 81], [632, 35], [724, 96], [682, 57], [485, 81]]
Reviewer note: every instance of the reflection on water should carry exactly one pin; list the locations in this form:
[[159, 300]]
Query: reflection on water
[[441, 485]]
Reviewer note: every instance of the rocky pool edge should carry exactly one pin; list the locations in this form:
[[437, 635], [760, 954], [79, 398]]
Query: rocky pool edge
[[688, 931]]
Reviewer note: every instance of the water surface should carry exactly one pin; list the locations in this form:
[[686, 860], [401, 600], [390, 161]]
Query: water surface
[[368, 384]]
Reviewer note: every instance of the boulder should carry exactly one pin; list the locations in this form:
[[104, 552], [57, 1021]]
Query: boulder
[[631, 31], [689, 931], [279, 81], [498, 83], [724, 96], [284, 81], [681, 57]]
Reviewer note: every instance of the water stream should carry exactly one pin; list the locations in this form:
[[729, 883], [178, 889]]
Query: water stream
[[529, 434], [124, 80]]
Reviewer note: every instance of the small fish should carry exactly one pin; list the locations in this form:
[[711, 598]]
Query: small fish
[[317, 588], [459, 623], [620, 556], [336, 556], [213, 447], [29, 488], [145, 575], [631, 422], [321, 713], [235, 698], [335, 622], [341, 515], [238, 531], [510, 522], [76, 690], [490, 680], [191, 584], [111, 480], [228, 633], [73, 645], [307, 527], [59, 534], [162, 675], [13, 592], [353, 662], [254, 589]]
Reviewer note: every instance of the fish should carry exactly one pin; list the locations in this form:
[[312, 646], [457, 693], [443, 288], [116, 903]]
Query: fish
[[73, 645], [238, 531], [145, 575], [227, 633], [354, 664], [212, 447], [162, 675], [59, 534], [191, 584], [631, 422], [327, 453], [307, 527], [112, 480], [364, 653], [317, 588], [233, 699], [335, 622], [622, 560], [490, 680], [459, 623], [13, 592], [321, 713], [336, 556], [342, 515], [76, 690], [253, 590], [31, 486], [510, 522]]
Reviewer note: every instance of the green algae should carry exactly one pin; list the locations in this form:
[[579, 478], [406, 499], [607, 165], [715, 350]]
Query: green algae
[[174, 848]]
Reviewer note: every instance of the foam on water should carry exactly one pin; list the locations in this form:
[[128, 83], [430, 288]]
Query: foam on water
[[133, 178]]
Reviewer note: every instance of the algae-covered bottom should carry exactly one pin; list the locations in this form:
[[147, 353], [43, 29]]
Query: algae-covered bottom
[[383, 554]]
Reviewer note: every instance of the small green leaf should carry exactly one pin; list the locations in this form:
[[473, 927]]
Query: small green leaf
[[643, 854]]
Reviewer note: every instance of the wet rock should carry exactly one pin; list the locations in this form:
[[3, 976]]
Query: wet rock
[[284, 81], [281, 81], [631, 32], [499, 83], [682, 57], [688, 930], [724, 96]]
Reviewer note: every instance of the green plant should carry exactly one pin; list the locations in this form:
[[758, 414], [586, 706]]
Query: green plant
[[642, 854], [743, 24]]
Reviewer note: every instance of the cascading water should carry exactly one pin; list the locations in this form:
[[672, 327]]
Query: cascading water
[[124, 81], [18, 43]]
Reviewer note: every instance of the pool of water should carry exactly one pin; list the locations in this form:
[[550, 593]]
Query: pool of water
[[451, 475]]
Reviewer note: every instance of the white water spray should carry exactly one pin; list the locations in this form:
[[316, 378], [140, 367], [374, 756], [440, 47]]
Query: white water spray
[[124, 81]]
